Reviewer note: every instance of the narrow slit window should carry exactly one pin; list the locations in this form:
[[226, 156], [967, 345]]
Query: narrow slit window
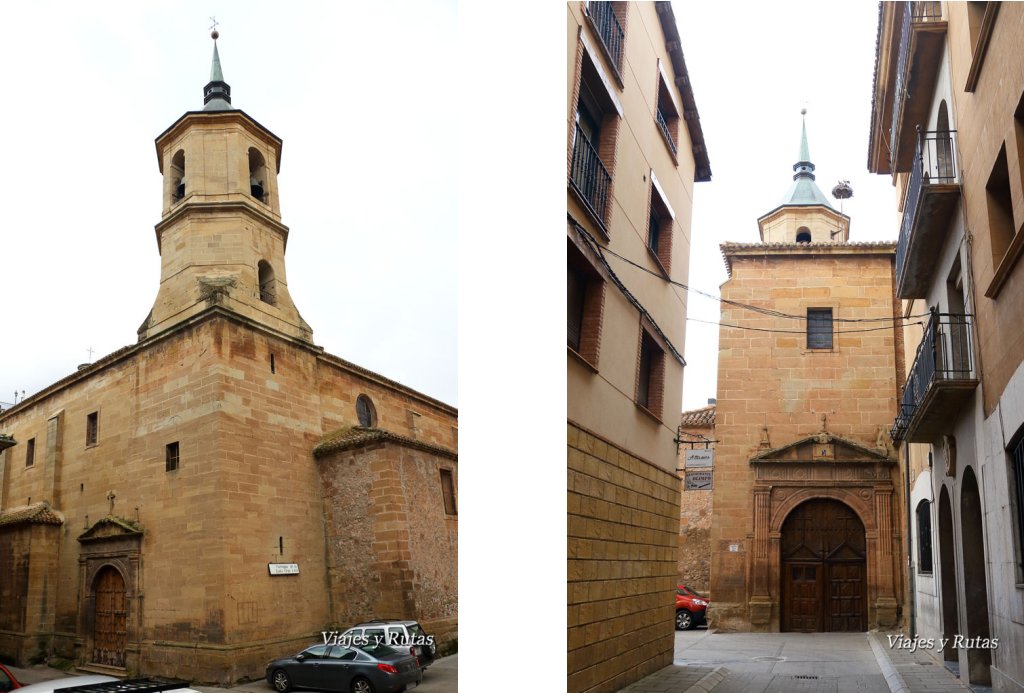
[[92, 428], [30, 452], [448, 491], [173, 457]]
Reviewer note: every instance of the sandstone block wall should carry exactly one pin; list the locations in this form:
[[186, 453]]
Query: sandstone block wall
[[622, 566], [770, 380]]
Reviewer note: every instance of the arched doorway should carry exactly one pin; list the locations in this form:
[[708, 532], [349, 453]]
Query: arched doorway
[[824, 568], [947, 578], [110, 619], [979, 659]]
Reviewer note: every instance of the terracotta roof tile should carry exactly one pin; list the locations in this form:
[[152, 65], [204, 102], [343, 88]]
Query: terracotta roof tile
[[358, 437], [35, 514], [699, 418]]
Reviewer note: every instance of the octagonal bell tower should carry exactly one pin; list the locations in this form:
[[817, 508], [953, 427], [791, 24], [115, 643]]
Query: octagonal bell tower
[[220, 237], [804, 215]]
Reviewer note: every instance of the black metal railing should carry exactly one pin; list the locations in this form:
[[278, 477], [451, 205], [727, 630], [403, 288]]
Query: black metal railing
[[589, 176], [663, 124], [934, 164], [913, 12], [609, 29], [944, 354]]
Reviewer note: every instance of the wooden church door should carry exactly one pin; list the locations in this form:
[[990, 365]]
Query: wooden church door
[[110, 624], [824, 576]]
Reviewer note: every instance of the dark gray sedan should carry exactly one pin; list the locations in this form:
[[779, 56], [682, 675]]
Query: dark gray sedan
[[368, 669]]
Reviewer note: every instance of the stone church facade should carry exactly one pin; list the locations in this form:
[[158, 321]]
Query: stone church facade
[[217, 494], [806, 522]]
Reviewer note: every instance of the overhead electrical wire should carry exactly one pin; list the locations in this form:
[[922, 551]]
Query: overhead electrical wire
[[747, 306]]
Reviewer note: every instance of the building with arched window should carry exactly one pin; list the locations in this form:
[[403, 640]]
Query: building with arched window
[[948, 127], [221, 492]]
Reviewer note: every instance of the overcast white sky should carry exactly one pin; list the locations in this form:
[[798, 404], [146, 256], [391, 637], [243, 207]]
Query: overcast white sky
[[753, 67], [367, 192]]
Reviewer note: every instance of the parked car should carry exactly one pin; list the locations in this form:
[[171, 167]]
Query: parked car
[[372, 668], [691, 608], [7, 680], [396, 634]]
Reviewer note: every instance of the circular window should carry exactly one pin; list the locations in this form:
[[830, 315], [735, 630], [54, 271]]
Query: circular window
[[365, 411]]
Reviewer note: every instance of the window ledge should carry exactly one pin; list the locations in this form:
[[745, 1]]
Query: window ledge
[[649, 413], [1006, 265], [582, 359]]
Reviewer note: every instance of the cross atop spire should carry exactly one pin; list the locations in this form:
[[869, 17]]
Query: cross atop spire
[[217, 93]]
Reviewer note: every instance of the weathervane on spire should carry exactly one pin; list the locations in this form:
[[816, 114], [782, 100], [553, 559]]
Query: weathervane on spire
[[213, 29]]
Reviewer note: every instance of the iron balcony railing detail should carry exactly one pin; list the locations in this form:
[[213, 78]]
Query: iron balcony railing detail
[[913, 12], [663, 124], [589, 176], [934, 164], [944, 354], [609, 29]]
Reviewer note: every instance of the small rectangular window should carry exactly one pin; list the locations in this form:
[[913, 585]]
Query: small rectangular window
[[660, 219], [448, 491], [924, 537], [651, 375], [30, 452], [585, 306], [172, 457], [819, 328], [92, 428]]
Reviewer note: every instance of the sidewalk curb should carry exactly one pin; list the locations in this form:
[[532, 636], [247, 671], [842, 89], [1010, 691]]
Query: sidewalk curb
[[710, 680], [892, 677]]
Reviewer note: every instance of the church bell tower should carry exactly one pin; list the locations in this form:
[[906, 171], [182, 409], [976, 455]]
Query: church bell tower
[[220, 236], [804, 215]]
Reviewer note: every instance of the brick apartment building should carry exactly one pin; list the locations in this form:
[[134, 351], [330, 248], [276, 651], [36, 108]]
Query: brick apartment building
[[634, 149]]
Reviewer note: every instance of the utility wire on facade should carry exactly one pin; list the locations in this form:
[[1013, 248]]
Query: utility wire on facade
[[747, 306]]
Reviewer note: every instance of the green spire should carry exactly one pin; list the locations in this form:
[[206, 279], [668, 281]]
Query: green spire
[[805, 154], [804, 190], [217, 76], [217, 93]]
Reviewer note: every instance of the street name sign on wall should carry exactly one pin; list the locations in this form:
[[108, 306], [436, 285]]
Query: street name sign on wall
[[283, 568], [700, 480], [700, 458]]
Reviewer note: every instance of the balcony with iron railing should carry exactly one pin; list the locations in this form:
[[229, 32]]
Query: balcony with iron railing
[[932, 194], [590, 179], [922, 37], [666, 133], [608, 28], [940, 382]]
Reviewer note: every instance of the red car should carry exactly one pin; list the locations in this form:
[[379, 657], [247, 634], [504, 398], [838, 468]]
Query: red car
[[691, 608], [7, 680]]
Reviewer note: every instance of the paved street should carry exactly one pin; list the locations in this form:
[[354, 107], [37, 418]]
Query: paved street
[[441, 677], [784, 662]]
